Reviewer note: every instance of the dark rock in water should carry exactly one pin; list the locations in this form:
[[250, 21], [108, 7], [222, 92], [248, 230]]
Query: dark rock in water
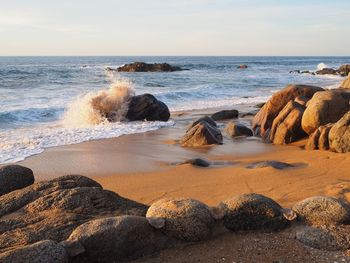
[[344, 70], [185, 219], [145, 67], [273, 164], [147, 107], [253, 212], [13, 177], [198, 162], [114, 239], [225, 115], [233, 130], [260, 105], [52, 209], [331, 238], [322, 210], [297, 71], [205, 119], [339, 135], [242, 66], [40, 252], [201, 134], [327, 71]]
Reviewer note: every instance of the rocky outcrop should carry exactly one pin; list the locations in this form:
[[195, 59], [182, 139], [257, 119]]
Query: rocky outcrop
[[286, 127], [13, 177], [345, 84], [185, 219], [201, 134], [262, 121], [344, 70], [145, 67], [319, 140], [114, 239], [253, 212], [147, 107], [322, 210], [339, 135], [327, 71], [225, 115], [51, 210], [233, 130], [40, 252], [324, 107]]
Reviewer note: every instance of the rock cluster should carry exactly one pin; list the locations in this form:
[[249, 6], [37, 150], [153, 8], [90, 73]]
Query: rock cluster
[[343, 71], [145, 67]]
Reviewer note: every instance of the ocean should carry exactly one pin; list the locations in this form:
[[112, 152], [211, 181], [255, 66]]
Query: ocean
[[47, 101]]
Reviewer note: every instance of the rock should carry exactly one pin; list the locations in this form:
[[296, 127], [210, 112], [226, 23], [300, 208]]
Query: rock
[[114, 239], [274, 164], [345, 84], [147, 107], [185, 219], [201, 134], [198, 162], [225, 115], [260, 105], [327, 71], [339, 135], [286, 127], [253, 212], [206, 119], [233, 130], [319, 139], [242, 66], [40, 252], [51, 210], [330, 238], [344, 70], [13, 177], [322, 210], [264, 118], [297, 71], [317, 112], [301, 100], [144, 67]]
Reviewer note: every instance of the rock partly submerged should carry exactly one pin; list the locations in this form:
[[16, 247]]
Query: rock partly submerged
[[233, 129], [146, 67]]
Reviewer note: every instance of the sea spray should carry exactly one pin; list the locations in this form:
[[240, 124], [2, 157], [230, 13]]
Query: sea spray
[[321, 66], [104, 106]]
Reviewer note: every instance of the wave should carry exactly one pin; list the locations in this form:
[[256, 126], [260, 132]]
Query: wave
[[321, 66]]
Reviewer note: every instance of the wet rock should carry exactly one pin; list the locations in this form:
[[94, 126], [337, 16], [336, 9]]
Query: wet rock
[[233, 130], [198, 162], [185, 219], [40, 252], [322, 210], [253, 212], [145, 67], [225, 115], [263, 120], [274, 164], [344, 70], [339, 135], [205, 119], [319, 140], [286, 127], [260, 105], [147, 107], [13, 177], [201, 134], [330, 238], [114, 239], [327, 71], [318, 111], [51, 210]]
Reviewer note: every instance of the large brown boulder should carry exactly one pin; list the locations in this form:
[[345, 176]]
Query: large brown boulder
[[13, 177], [51, 210], [201, 134], [235, 129], [339, 135], [344, 70], [147, 107], [286, 127], [345, 84], [319, 140], [324, 107], [145, 67], [264, 118]]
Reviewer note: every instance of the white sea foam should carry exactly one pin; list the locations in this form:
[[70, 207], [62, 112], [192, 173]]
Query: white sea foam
[[321, 66]]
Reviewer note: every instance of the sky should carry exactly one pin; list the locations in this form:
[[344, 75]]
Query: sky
[[175, 27]]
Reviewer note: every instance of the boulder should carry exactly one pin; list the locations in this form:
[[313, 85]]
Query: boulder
[[286, 127], [301, 100], [344, 70], [327, 71], [233, 130], [147, 107], [345, 84], [322, 210], [207, 119], [145, 67], [253, 212], [52, 209], [185, 219], [319, 139], [114, 239], [40, 252], [242, 66], [201, 134], [339, 135], [264, 118], [225, 115], [13, 177], [318, 111], [329, 238]]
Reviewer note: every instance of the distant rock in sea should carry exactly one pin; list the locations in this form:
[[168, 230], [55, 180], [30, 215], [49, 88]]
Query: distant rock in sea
[[145, 67]]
